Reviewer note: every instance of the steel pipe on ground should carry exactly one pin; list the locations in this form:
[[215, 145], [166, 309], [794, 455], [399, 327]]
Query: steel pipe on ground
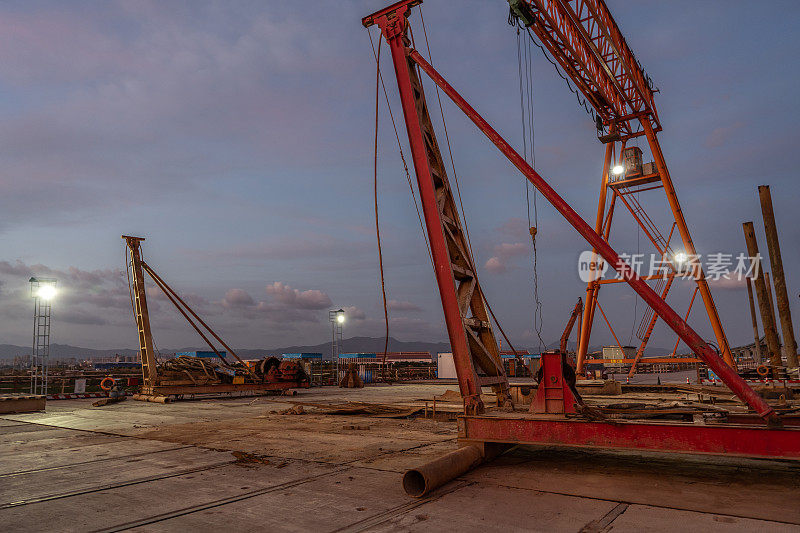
[[154, 399], [420, 481]]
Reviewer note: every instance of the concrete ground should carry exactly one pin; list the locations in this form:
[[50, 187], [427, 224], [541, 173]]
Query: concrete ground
[[239, 464]]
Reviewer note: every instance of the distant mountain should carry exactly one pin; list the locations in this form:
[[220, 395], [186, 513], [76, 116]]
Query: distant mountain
[[64, 351], [351, 345], [363, 344]]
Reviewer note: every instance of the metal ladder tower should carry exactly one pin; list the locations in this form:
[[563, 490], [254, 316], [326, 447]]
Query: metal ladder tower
[[42, 291]]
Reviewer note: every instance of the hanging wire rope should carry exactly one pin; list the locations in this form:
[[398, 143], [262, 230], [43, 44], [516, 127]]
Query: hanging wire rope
[[525, 73], [446, 136], [513, 20], [636, 296], [402, 155], [377, 224], [458, 190]]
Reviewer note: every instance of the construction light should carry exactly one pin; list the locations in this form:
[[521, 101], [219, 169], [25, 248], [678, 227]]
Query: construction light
[[618, 170], [46, 292], [340, 318], [680, 258]]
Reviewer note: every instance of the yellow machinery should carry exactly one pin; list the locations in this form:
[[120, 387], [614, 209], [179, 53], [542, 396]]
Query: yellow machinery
[[186, 376]]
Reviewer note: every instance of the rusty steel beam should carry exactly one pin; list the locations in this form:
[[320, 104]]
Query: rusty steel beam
[[771, 300], [583, 37], [476, 354], [576, 312], [767, 318], [420, 481], [592, 287], [779, 278], [670, 317], [688, 243], [756, 336], [172, 295], [146, 351], [727, 440]]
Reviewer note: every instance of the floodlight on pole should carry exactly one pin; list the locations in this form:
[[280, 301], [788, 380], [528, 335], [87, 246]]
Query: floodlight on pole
[[337, 318], [43, 290], [618, 170], [46, 292]]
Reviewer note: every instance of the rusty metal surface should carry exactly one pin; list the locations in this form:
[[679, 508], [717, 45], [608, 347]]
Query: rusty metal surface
[[466, 313], [778, 276], [670, 317], [420, 481], [739, 440], [767, 317]]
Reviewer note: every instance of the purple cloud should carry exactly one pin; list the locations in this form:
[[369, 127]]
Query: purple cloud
[[296, 299], [398, 305], [504, 253], [237, 298]]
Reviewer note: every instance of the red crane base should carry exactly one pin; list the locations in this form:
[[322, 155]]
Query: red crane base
[[554, 430], [548, 424]]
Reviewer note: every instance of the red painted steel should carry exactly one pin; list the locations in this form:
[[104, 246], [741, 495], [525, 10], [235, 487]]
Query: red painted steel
[[584, 39], [553, 395], [392, 22], [740, 440], [670, 317], [582, 36], [576, 312], [727, 439]]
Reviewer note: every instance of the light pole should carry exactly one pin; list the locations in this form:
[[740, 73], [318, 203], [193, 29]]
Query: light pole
[[337, 322], [43, 290]]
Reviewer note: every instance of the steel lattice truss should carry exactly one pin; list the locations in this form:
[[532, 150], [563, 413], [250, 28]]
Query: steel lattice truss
[[582, 36]]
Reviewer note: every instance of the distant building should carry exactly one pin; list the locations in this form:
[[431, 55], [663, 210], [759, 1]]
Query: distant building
[[748, 351], [306, 356], [407, 357], [613, 355], [446, 368]]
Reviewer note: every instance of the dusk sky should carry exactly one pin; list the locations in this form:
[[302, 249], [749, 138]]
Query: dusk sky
[[237, 138]]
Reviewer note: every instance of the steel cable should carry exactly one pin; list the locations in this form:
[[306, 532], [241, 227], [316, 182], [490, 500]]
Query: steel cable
[[377, 224]]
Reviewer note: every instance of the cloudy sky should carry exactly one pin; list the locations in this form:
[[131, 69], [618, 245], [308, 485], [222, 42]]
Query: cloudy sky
[[237, 138]]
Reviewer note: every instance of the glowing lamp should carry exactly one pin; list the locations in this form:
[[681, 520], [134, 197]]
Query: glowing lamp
[[46, 292]]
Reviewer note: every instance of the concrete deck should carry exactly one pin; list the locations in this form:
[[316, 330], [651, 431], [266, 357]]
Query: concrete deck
[[234, 465]]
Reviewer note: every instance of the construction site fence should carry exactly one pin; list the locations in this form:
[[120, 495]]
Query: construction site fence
[[393, 371], [66, 383]]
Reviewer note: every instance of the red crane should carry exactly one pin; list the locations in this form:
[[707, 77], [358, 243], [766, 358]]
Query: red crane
[[585, 41], [475, 351]]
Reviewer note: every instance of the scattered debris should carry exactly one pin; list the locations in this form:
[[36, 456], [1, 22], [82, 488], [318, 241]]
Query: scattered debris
[[449, 396], [250, 458], [106, 401], [377, 410]]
